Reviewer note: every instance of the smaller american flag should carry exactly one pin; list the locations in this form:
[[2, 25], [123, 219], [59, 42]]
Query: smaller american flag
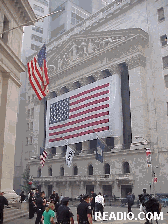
[[38, 74], [43, 156]]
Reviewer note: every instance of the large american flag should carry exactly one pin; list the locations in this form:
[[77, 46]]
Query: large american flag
[[78, 115], [43, 156], [38, 75]]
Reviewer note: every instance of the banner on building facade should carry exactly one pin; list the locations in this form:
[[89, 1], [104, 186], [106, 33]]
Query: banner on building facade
[[99, 150], [69, 156], [78, 115]]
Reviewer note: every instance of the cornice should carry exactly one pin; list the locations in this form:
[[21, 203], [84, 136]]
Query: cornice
[[11, 56]]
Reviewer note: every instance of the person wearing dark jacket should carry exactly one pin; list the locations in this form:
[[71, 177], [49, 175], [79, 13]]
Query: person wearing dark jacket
[[31, 205], [93, 195], [40, 202], [130, 201], [64, 214], [22, 196], [3, 201]]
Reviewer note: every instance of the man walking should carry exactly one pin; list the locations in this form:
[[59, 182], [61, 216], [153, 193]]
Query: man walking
[[40, 202], [84, 211], [99, 203], [130, 201], [3, 201]]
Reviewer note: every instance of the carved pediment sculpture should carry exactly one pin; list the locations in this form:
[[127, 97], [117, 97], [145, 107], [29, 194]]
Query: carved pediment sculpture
[[79, 47]]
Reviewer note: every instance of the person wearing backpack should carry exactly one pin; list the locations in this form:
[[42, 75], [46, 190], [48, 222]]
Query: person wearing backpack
[[130, 202]]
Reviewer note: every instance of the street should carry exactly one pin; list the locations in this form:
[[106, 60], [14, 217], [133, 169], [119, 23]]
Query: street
[[108, 209]]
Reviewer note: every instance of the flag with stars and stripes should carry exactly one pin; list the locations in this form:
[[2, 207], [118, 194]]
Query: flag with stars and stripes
[[81, 114], [43, 156], [38, 74]]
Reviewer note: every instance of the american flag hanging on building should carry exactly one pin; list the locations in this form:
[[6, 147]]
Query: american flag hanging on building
[[38, 75], [77, 115], [43, 156]]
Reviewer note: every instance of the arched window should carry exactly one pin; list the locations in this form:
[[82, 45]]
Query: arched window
[[62, 171], [50, 171], [76, 85], [64, 90], [126, 168], [90, 168], [39, 172], [75, 170], [64, 149], [90, 79], [107, 168]]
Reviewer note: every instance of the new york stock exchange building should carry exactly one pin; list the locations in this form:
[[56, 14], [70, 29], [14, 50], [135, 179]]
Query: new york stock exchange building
[[108, 81]]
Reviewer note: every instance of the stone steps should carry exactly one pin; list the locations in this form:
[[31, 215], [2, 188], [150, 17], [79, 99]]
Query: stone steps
[[13, 213]]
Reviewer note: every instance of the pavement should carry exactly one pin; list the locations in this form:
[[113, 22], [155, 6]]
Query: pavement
[[114, 210]]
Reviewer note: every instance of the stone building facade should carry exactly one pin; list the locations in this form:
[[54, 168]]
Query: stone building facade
[[125, 39], [12, 14]]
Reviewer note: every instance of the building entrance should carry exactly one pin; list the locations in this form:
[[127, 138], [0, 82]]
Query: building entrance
[[89, 188], [125, 189]]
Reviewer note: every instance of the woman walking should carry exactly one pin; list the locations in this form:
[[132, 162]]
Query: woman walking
[[49, 214], [31, 205]]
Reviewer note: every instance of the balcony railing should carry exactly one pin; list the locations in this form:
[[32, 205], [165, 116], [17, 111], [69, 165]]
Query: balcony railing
[[105, 177]]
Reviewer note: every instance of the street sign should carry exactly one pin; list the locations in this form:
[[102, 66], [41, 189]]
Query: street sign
[[155, 179]]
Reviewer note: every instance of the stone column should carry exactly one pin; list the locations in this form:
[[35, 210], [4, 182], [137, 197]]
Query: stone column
[[82, 190], [68, 189], [138, 102], [117, 110], [8, 111], [58, 152], [85, 147]]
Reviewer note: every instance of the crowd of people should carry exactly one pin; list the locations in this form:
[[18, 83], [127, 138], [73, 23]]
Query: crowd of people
[[57, 206]]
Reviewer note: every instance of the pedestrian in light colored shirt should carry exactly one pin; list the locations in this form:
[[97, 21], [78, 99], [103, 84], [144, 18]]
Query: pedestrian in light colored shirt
[[99, 203]]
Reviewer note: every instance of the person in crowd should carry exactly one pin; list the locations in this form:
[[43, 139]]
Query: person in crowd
[[49, 214], [22, 196], [61, 197], [81, 197], [3, 201], [64, 214], [40, 202], [84, 211], [56, 202], [31, 205], [130, 202], [53, 197], [93, 195], [37, 194], [99, 203]]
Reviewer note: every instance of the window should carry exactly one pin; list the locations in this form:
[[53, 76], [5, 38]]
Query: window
[[36, 38], [53, 150], [27, 140], [107, 168], [165, 62], [126, 168], [44, 2], [90, 168], [34, 47], [38, 8], [28, 126], [75, 170], [32, 113], [37, 29], [5, 28], [163, 40], [28, 113], [50, 171], [39, 172], [31, 126], [31, 140], [62, 171], [161, 14], [93, 146]]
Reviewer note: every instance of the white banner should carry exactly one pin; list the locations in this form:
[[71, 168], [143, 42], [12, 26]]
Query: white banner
[[69, 156]]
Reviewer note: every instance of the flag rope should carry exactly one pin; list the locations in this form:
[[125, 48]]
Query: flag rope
[[28, 23]]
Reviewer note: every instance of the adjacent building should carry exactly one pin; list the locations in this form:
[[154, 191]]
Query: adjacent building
[[34, 37], [126, 41], [12, 14]]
